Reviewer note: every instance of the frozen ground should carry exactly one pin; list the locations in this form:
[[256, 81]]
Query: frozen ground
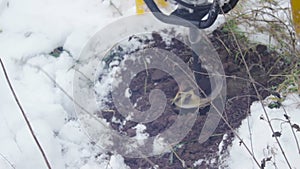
[[29, 30]]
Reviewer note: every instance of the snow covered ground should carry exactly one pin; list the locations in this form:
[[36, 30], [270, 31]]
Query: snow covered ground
[[29, 30], [257, 135]]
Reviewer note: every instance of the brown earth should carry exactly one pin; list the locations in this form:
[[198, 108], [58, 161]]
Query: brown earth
[[240, 94]]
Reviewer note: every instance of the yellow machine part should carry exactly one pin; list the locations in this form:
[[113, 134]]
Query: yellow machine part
[[141, 7], [296, 15]]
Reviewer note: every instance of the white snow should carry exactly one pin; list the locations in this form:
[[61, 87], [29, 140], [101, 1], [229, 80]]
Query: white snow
[[264, 145], [160, 145], [127, 93], [31, 29], [141, 134], [198, 162]]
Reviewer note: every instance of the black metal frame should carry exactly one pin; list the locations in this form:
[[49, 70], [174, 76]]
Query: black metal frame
[[196, 17]]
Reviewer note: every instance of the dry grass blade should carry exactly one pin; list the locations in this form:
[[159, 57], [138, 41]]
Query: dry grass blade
[[10, 164], [292, 129]]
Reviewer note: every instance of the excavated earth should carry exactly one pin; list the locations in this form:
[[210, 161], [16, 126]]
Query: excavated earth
[[240, 94]]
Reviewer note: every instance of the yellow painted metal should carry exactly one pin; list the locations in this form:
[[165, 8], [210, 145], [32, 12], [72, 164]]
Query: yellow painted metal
[[296, 15], [162, 3], [141, 7]]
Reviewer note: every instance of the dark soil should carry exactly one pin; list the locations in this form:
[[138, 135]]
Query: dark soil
[[240, 94]]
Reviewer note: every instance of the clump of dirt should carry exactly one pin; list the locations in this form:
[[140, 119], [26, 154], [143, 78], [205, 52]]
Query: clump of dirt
[[240, 94]]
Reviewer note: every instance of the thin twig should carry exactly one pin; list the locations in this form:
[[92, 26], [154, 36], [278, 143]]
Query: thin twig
[[10, 164], [294, 134], [108, 163], [146, 78], [235, 77], [248, 123], [25, 117], [115, 7], [177, 156]]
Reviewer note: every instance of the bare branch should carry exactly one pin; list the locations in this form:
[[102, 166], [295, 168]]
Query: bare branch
[[24, 116]]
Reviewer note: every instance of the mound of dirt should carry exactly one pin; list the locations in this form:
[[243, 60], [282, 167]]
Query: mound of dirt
[[240, 94]]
